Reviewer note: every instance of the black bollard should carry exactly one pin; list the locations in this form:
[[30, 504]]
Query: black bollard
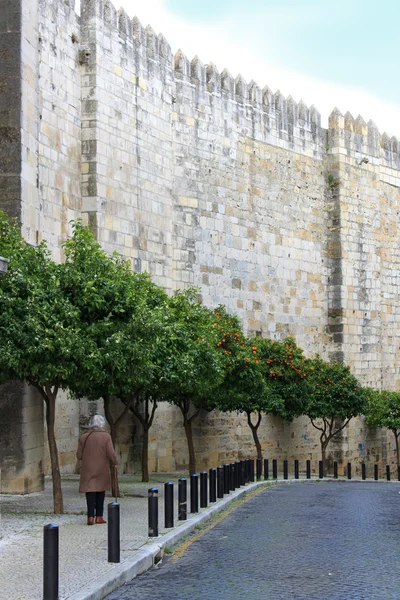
[[321, 469], [363, 471], [266, 469], [376, 476], [212, 474], [285, 469], [308, 469], [296, 469], [388, 472], [274, 469], [348, 470], [203, 489], [153, 512], [243, 472], [237, 474], [335, 470], [251, 464], [233, 476], [258, 469], [246, 471], [50, 562], [227, 477], [182, 499], [398, 473], [168, 504], [220, 482], [113, 527], [194, 493]]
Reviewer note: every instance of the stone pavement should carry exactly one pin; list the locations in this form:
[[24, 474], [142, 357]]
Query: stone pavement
[[85, 573], [324, 541]]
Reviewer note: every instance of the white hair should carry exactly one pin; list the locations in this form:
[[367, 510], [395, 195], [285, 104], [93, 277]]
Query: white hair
[[97, 422]]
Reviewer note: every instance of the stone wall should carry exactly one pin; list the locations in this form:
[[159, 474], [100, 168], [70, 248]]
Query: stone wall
[[202, 178]]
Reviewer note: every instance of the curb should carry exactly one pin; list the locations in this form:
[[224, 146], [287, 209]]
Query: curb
[[145, 557]]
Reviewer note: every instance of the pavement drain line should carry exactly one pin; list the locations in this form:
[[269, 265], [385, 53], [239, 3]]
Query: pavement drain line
[[149, 555]]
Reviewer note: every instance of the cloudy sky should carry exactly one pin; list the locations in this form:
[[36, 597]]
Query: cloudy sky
[[342, 53]]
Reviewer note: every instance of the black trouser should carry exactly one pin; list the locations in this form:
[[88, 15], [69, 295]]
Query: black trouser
[[95, 503]]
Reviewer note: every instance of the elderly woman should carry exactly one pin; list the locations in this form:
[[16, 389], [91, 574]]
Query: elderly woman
[[96, 451]]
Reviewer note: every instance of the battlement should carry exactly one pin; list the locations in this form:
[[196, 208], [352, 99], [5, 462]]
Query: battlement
[[275, 119], [354, 136]]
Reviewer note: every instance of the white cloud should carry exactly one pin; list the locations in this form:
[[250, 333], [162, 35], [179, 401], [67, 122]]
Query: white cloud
[[215, 43]]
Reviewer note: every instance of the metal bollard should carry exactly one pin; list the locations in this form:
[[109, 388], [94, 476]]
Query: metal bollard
[[153, 512], [251, 473], [233, 476], [398, 473], [285, 469], [168, 504], [308, 469], [227, 477], [194, 493], [348, 470], [388, 472], [363, 471], [335, 470], [237, 474], [182, 499], [213, 484], [376, 476], [243, 472], [220, 482], [258, 469], [113, 530], [50, 561], [266, 469], [203, 489], [321, 469], [274, 469], [296, 469]]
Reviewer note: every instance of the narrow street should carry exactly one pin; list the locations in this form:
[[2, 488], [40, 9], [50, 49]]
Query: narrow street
[[321, 541]]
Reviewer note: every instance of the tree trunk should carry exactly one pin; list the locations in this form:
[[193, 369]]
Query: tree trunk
[[145, 454], [254, 431], [55, 467], [187, 423], [324, 445]]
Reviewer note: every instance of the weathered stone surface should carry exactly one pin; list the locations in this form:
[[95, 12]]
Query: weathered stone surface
[[200, 179]]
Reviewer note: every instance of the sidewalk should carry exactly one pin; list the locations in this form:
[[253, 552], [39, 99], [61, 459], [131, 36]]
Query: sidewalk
[[85, 573]]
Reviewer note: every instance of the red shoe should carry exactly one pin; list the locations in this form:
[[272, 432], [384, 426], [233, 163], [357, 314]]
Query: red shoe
[[90, 521], [100, 520]]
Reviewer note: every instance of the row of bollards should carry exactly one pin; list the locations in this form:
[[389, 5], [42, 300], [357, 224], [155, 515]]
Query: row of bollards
[[213, 485]]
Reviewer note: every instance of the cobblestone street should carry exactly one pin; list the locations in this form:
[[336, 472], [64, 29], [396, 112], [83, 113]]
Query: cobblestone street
[[321, 541]]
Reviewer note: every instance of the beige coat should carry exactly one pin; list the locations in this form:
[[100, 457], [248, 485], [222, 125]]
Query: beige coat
[[96, 451]]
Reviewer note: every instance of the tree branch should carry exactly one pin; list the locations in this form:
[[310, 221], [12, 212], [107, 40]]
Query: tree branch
[[316, 426]]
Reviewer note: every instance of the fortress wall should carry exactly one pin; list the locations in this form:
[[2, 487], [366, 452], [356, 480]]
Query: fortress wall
[[127, 145], [57, 122], [364, 181]]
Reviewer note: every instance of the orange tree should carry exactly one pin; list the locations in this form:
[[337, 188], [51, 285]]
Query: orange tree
[[335, 398], [41, 339], [123, 315], [285, 371], [382, 409], [244, 387], [191, 367]]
